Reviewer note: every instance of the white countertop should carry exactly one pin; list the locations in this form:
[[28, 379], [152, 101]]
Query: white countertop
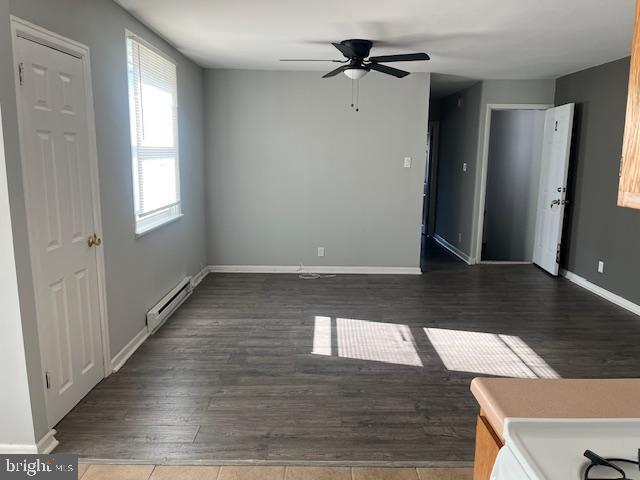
[[552, 449]]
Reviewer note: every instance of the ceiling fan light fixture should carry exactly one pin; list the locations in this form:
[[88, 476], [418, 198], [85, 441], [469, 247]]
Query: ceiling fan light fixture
[[355, 73]]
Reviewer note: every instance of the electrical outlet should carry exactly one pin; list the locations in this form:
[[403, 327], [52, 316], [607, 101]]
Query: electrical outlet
[[600, 266], [321, 251], [464, 167], [407, 162]]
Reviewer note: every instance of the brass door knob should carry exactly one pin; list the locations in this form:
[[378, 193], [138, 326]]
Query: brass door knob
[[94, 241]]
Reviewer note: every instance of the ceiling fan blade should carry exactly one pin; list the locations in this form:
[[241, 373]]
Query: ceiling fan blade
[[404, 57], [310, 60], [388, 70], [335, 72], [344, 49]]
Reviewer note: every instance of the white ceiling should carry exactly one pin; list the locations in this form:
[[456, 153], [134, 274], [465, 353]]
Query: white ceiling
[[480, 39]]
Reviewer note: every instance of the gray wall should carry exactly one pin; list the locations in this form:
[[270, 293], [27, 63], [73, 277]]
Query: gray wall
[[513, 180], [138, 271], [462, 133], [459, 124], [596, 229], [290, 167]]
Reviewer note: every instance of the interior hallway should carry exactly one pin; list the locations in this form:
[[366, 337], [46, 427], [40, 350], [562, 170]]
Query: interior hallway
[[354, 368]]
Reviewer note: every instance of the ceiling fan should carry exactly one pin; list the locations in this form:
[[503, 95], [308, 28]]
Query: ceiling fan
[[358, 62]]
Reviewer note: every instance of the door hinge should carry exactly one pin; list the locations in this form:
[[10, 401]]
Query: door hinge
[[47, 379], [558, 254], [21, 73], [556, 129]]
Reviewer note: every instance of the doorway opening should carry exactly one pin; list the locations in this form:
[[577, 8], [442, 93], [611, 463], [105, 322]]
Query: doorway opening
[[513, 178], [429, 193], [61, 190], [430, 175], [523, 189]]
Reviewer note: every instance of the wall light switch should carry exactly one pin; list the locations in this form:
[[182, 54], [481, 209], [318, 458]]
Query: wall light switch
[[464, 167], [407, 162], [321, 251], [600, 266]]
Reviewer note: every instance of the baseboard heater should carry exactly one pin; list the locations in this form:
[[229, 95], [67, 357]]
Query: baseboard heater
[[168, 304]]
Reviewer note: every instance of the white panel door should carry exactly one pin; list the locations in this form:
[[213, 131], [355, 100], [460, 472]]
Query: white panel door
[[553, 187], [59, 201]]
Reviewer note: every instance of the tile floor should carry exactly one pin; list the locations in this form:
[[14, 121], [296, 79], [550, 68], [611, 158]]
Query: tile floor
[[172, 472]]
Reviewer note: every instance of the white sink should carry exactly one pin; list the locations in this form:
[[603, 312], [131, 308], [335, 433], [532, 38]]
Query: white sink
[[552, 449]]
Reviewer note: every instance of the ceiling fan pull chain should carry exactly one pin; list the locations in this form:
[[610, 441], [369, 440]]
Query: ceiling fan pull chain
[[352, 86], [357, 96]]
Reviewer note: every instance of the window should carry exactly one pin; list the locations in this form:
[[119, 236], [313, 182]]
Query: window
[[153, 110]]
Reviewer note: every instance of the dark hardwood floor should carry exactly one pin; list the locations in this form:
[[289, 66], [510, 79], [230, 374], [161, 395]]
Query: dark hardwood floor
[[233, 374]]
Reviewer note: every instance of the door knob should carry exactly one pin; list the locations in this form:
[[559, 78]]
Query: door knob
[[94, 241]]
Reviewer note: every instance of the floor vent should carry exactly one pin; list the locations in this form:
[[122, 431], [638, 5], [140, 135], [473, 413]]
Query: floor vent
[[169, 304]]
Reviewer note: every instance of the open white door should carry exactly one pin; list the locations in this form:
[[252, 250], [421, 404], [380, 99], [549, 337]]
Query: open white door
[[553, 187]]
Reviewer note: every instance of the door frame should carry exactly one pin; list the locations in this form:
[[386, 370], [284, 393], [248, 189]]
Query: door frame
[[432, 178], [481, 195], [29, 31]]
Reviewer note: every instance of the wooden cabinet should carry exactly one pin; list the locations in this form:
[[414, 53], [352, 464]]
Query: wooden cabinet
[[487, 446], [629, 190]]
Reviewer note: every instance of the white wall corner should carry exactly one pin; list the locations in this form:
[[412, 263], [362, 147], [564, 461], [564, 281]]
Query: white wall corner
[[456, 251], [123, 355], [198, 277], [606, 294]]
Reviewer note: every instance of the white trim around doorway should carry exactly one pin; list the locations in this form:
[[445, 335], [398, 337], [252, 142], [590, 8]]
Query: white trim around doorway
[[35, 33], [481, 193]]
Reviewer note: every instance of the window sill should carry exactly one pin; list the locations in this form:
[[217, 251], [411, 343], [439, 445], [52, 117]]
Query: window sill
[[155, 226]]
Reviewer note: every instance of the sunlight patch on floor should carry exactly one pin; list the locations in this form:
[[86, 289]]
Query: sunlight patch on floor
[[322, 336], [366, 340], [488, 354], [376, 341]]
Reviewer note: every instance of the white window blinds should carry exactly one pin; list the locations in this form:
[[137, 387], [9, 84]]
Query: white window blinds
[[153, 107]]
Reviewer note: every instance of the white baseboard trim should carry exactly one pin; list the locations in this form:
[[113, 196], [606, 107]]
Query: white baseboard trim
[[123, 355], [198, 277], [316, 269], [45, 445], [606, 294], [253, 269], [10, 448], [457, 252], [48, 442], [503, 262]]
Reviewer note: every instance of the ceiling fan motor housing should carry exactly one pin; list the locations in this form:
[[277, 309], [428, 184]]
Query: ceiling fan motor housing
[[361, 48]]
